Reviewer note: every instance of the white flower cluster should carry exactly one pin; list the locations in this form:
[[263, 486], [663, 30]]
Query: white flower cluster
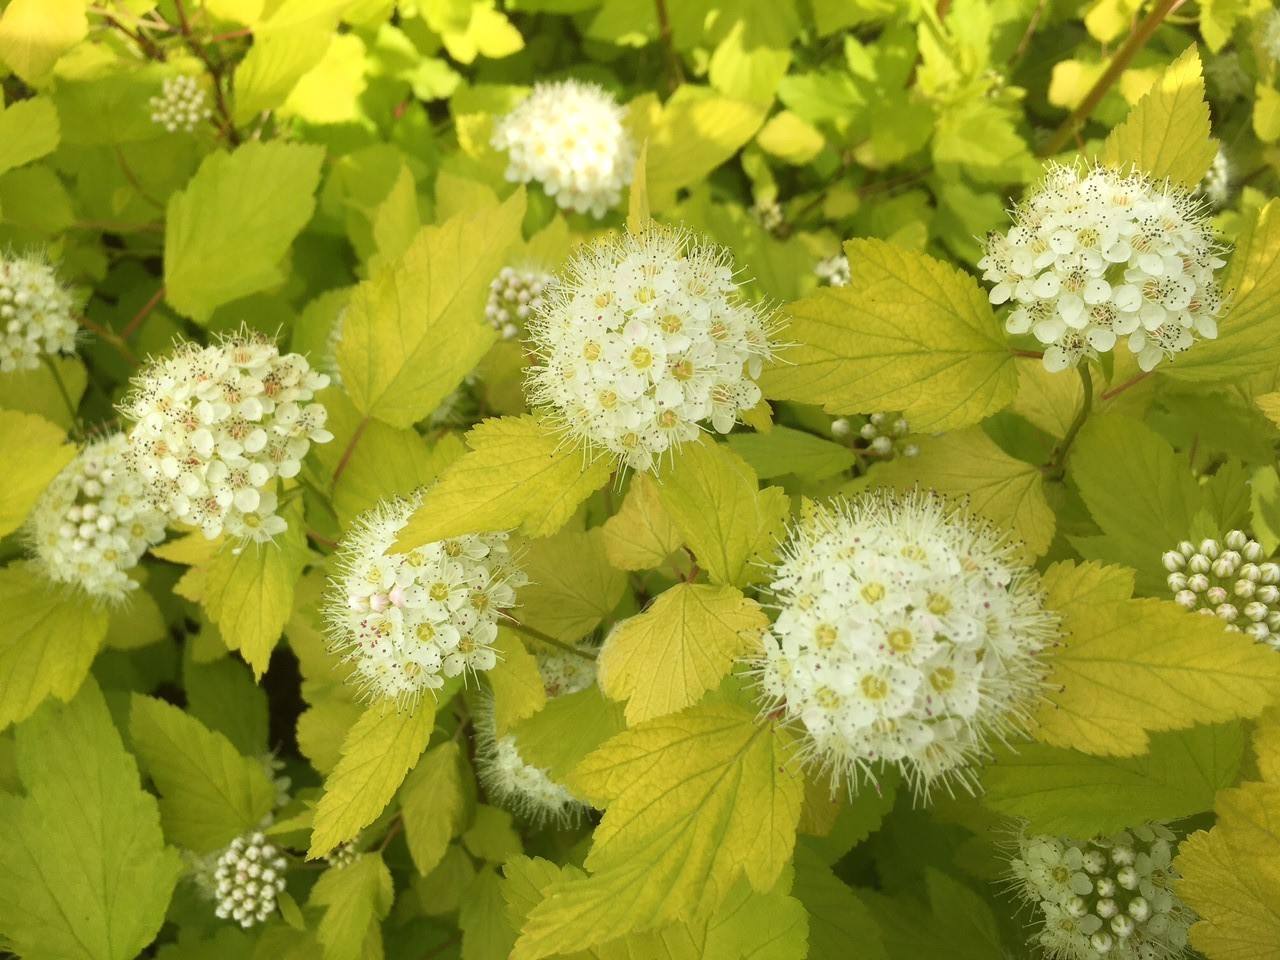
[[215, 426], [641, 339], [94, 521], [181, 105], [570, 137], [1095, 255], [249, 875], [37, 312], [508, 780], [1107, 897], [885, 433], [907, 634], [1232, 584], [833, 271], [514, 295], [406, 621], [767, 213], [1216, 185]]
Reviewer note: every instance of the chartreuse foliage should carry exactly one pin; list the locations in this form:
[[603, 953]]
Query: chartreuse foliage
[[338, 190]]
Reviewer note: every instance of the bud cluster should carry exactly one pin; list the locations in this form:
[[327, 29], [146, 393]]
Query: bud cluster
[[94, 521], [344, 854], [1237, 584], [833, 271], [641, 339], [885, 435], [181, 105], [1216, 185], [767, 213], [1096, 255], [1111, 896], [570, 137], [249, 875], [406, 621], [216, 426], [36, 311], [515, 295]]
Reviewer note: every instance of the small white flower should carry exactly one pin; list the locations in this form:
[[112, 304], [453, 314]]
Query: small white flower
[[94, 521], [570, 137], [907, 635], [406, 621], [1237, 584], [1111, 896], [833, 271], [514, 296], [1096, 257], [526, 790], [767, 213], [36, 313], [214, 427], [248, 877], [641, 339], [181, 105]]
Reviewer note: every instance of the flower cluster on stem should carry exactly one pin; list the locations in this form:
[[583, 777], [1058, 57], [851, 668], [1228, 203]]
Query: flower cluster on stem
[[37, 312], [1232, 580]]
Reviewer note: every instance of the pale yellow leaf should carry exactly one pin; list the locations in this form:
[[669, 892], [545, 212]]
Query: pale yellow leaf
[[641, 535]]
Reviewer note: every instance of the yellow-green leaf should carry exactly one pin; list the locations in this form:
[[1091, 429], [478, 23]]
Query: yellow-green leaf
[[908, 333], [694, 802], [271, 69], [389, 462], [1167, 132], [492, 835], [354, 898], [227, 232], [641, 535], [1269, 403], [691, 137], [36, 391], [35, 33], [638, 193], [666, 658], [568, 728], [1129, 667], [209, 793], [518, 474], [32, 454], [47, 644], [572, 586], [382, 747], [1246, 344], [789, 137], [968, 464], [715, 501], [330, 91], [28, 131], [431, 804], [249, 594], [416, 327], [518, 690]]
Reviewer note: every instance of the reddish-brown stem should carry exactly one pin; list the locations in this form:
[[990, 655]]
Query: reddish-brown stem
[[322, 540], [1029, 354], [1125, 386], [351, 448], [110, 337], [396, 827], [228, 124], [142, 314], [231, 35], [670, 56]]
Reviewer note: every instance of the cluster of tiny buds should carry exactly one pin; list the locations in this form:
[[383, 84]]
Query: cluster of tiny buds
[[885, 434], [514, 295], [181, 105], [249, 875], [767, 212], [36, 313], [344, 854], [833, 271], [1237, 584], [1216, 185]]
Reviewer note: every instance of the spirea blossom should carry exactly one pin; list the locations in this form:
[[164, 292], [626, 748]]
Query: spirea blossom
[[94, 521], [907, 635], [215, 426], [833, 271], [1216, 185], [767, 213], [1109, 897], [1095, 256], [515, 294], [570, 137], [642, 338], [508, 780], [37, 312], [248, 877], [406, 621], [1237, 584], [181, 105]]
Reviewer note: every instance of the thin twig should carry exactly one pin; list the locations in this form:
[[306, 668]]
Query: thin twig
[[62, 387], [548, 639], [1125, 386], [323, 540], [670, 56], [1057, 466], [110, 337], [351, 448], [142, 314]]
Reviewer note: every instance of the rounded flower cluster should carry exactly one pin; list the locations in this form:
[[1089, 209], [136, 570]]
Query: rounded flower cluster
[[181, 105], [833, 271], [1095, 255], [570, 137], [643, 338], [514, 295], [907, 635], [406, 621], [249, 875], [38, 313], [94, 521], [1106, 897], [1237, 584], [508, 780], [215, 426], [344, 854], [1216, 185]]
